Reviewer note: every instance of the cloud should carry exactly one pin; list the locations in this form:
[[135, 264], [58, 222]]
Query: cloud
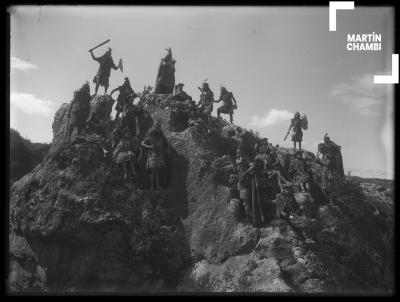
[[361, 95], [24, 66], [272, 118], [30, 104]]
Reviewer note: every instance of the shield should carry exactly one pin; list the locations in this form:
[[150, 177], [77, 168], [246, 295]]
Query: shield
[[120, 66], [304, 122]]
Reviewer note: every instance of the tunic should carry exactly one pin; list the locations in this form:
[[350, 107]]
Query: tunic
[[206, 102], [80, 108], [297, 134], [103, 73], [227, 106]]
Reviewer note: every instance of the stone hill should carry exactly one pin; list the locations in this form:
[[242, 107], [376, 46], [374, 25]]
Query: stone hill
[[83, 229]]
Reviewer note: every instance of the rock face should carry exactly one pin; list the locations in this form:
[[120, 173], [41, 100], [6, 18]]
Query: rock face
[[83, 229]]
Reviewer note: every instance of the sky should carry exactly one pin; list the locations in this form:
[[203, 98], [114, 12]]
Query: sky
[[275, 60]]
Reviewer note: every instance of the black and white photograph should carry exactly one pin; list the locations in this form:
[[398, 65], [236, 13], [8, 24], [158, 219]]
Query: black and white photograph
[[195, 150]]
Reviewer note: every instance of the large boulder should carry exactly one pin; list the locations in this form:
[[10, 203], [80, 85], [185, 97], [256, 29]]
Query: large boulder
[[83, 229]]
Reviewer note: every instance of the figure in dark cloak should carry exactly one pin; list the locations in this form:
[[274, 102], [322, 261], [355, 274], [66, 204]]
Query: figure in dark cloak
[[329, 147], [79, 111], [165, 81]]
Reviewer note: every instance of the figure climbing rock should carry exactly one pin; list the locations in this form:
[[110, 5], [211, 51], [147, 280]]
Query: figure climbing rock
[[228, 103], [79, 111], [125, 94]]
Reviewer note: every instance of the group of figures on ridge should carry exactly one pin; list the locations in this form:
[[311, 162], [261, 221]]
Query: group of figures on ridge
[[127, 141], [263, 182], [121, 139], [205, 106]]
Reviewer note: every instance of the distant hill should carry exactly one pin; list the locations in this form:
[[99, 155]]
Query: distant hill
[[24, 155], [386, 183]]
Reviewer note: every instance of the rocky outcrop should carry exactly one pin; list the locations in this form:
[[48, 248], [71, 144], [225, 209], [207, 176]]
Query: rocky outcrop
[[83, 229]]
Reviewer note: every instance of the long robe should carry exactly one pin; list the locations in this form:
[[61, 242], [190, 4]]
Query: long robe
[[80, 109], [297, 133], [165, 82]]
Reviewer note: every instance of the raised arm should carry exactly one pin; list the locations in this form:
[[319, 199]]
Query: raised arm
[[219, 100], [113, 64], [114, 90], [94, 58]]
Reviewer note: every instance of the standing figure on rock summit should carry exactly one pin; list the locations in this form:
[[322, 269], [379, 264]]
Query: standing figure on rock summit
[[229, 103], [205, 104], [103, 74], [297, 124], [125, 94], [165, 82]]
